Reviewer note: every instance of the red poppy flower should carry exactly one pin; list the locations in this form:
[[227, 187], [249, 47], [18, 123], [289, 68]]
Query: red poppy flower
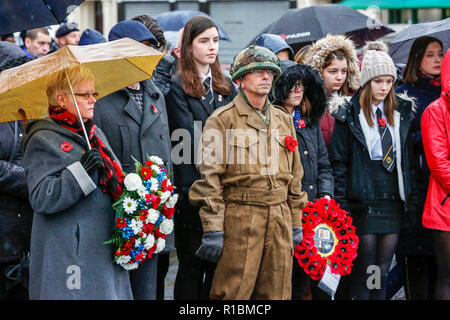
[[382, 122], [301, 123], [291, 143], [66, 147], [146, 173]]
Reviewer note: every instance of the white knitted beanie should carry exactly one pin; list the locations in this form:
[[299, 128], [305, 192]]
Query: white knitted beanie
[[376, 62]]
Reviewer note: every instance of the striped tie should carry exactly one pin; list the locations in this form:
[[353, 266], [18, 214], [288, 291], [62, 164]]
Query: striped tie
[[386, 143], [209, 96]]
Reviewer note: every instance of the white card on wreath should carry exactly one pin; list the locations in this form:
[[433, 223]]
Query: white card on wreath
[[329, 281]]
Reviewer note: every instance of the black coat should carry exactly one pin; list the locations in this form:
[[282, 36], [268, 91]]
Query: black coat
[[189, 113], [414, 238], [317, 178], [15, 211], [350, 158]]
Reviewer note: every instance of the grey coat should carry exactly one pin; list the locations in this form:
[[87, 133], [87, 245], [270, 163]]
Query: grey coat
[[133, 132], [72, 218]]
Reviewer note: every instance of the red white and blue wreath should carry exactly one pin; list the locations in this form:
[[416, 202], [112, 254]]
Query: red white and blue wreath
[[143, 214], [328, 238]]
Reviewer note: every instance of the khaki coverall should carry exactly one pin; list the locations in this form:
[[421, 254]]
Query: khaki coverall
[[260, 202]]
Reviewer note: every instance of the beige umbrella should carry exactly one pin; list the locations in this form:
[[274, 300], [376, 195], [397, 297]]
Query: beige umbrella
[[114, 64]]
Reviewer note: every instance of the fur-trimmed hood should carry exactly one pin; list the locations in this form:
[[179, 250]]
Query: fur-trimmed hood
[[313, 84], [316, 55], [337, 104]]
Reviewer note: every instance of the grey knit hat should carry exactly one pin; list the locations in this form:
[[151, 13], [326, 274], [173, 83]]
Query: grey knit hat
[[376, 62]]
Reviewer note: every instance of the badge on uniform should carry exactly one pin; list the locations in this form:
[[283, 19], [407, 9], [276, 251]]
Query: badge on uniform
[[220, 98], [154, 109]]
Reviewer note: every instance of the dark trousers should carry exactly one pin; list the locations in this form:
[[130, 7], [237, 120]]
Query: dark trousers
[[163, 268], [11, 289], [194, 276]]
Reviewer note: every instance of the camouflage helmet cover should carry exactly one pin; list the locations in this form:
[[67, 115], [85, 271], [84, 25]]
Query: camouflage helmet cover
[[254, 58]]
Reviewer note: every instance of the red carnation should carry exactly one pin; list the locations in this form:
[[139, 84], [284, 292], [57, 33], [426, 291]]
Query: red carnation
[[148, 228], [153, 200], [168, 212], [159, 234], [66, 147], [148, 163], [291, 143]]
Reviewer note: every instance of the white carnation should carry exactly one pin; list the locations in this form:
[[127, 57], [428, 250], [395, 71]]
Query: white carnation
[[154, 185], [129, 205], [149, 242], [166, 195], [156, 160], [152, 216], [136, 225], [130, 266], [172, 201], [123, 260], [166, 226], [156, 169], [160, 244], [132, 181]]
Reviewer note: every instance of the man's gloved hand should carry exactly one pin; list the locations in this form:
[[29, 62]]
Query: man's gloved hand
[[211, 247], [91, 160], [297, 235]]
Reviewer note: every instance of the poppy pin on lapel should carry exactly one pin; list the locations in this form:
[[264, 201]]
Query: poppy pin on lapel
[[155, 110]]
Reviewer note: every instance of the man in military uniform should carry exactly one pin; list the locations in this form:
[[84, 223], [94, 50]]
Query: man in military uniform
[[250, 194]]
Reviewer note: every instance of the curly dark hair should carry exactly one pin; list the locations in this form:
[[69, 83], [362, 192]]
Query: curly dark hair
[[152, 25], [314, 89]]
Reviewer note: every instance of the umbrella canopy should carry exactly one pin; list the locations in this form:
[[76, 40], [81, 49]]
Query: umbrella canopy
[[300, 27], [114, 64], [401, 45], [175, 20], [30, 14]]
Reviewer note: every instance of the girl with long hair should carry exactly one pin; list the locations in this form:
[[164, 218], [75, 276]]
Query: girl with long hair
[[369, 153], [422, 80], [198, 88]]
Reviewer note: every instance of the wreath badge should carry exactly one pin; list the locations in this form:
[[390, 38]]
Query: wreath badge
[[328, 238]]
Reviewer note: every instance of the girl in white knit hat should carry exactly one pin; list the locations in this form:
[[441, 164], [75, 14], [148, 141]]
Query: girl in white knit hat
[[369, 153]]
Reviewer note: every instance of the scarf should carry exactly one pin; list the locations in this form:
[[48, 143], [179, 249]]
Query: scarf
[[434, 81], [110, 175], [297, 118]]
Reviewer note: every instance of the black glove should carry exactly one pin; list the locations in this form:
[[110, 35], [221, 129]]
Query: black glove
[[211, 247], [297, 235], [91, 160]]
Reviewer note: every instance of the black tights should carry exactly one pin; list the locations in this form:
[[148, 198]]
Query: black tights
[[373, 250], [441, 247]]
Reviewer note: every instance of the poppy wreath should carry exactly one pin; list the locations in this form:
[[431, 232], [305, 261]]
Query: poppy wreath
[[325, 217]]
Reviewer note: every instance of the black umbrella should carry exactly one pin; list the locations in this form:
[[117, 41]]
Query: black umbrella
[[24, 15], [300, 27], [401, 45]]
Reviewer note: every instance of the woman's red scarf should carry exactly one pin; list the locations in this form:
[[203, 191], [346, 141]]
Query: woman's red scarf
[[110, 175]]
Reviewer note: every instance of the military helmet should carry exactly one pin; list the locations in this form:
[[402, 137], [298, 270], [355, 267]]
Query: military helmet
[[254, 58]]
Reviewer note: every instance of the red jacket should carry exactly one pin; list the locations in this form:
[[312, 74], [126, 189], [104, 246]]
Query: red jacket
[[435, 125]]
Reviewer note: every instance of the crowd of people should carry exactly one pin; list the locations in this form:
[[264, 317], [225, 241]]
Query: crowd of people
[[361, 132]]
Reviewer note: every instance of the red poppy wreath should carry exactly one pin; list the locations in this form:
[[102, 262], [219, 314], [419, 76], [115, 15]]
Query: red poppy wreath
[[328, 237]]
